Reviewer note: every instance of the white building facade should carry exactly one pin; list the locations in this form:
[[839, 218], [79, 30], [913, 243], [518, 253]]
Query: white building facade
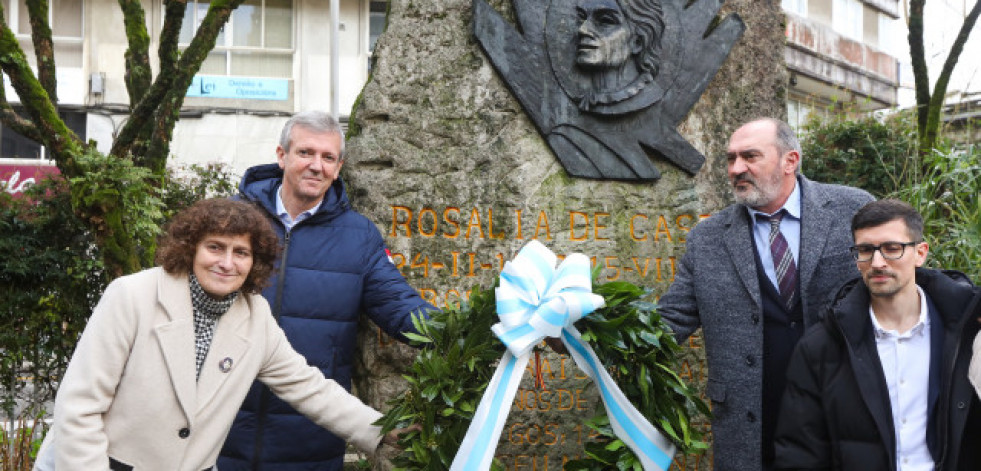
[[842, 52], [942, 20], [271, 60]]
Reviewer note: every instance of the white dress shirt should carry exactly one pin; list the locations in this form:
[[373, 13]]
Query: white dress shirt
[[284, 215], [905, 361]]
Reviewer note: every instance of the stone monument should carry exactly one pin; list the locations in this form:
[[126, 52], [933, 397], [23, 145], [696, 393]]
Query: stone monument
[[457, 175]]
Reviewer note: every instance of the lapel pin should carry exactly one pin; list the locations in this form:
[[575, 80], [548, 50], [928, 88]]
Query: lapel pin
[[225, 365]]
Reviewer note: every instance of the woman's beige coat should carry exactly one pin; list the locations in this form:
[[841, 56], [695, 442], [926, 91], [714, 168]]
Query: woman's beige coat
[[129, 392]]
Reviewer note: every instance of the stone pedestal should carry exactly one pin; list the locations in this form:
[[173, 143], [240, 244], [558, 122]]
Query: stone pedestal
[[448, 165]]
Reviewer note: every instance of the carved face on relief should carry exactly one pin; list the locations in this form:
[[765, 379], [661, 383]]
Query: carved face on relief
[[604, 36], [607, 81]]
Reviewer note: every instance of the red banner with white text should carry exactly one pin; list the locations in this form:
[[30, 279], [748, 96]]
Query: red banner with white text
[[15, 177]]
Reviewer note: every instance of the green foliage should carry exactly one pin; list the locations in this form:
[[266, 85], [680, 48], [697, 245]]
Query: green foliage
[[878, 156], [183, 186], [127, 199], [52, 273], [448, 379], [642, 355], [882, 157], [446, 382], [947, 197], [122, 213], [50, 278]]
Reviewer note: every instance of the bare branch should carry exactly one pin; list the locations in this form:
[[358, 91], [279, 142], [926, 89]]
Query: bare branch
[[138, 71], [140, 122], [43, 46], [168, 90], [14, 121], [929, 105], [204, 41], [169, 54], [918, 59], [932, 130], [140, 116], [188, 66], [940, 88]]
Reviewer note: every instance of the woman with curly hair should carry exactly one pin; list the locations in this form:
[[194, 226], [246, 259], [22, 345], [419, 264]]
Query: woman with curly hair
[[170, 353]]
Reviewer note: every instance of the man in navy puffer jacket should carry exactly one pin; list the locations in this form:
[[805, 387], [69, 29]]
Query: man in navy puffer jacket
[[334, 265]]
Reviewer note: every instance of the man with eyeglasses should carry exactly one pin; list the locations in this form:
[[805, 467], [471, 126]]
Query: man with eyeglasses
[[753, 275], [882, 383]]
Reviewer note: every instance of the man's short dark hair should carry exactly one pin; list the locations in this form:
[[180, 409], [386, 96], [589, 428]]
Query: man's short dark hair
[[884, 211], [223, 217]]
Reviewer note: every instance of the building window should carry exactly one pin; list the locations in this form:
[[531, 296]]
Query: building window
[[800, 110], [890, 29], [257, 41], [846, 18], [796, 114], [870, 30], [377, 16], [820, 11], [376, 22], [65, 18], [13, 145], [797, 7]]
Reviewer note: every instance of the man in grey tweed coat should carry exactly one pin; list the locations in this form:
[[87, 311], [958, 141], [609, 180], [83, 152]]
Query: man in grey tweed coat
[[727, 284]]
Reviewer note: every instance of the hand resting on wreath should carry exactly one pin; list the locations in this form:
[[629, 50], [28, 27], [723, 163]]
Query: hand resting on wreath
[[392, 438]]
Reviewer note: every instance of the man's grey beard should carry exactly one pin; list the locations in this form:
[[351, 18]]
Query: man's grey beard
[[754, 200], [757, 195], [754, 197]]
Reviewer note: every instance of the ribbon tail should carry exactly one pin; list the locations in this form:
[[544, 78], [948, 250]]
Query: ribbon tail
[[653, 449], [477, 449]]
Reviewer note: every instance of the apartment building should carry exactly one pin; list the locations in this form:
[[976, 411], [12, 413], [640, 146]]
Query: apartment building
[[842, 52]]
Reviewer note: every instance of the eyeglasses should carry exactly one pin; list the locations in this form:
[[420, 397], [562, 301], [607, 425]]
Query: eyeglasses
[[889, 250]]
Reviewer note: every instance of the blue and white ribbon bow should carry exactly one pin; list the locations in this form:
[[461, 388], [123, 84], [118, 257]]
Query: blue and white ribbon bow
[[536, 300]]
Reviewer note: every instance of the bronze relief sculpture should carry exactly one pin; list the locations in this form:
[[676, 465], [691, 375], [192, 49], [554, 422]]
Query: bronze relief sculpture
[[607, 81]]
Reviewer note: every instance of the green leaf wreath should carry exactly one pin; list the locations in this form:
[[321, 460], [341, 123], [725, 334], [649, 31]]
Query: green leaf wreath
[[448, 378]]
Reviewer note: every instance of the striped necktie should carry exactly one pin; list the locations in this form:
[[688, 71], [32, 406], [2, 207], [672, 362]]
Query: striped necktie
[[783, 261]]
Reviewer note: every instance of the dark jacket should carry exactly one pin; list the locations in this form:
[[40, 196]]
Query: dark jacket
[[334, 266], [835, 412], [717, 288]]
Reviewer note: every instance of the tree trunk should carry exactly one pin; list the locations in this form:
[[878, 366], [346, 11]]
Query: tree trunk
[[138, 72], [921, 75], [60, 141], [929, 105], [43, 46], [190, 62], [113, 194]]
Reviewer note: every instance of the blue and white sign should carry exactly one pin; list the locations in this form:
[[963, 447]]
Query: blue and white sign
[[210, 86]]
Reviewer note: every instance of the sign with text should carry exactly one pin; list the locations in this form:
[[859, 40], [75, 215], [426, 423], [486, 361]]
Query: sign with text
[[17, 177], [240, 88], [659, 236]]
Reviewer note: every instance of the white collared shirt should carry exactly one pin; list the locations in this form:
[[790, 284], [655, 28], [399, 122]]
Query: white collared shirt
[[284, 215], [789, 227], [906, 363]]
